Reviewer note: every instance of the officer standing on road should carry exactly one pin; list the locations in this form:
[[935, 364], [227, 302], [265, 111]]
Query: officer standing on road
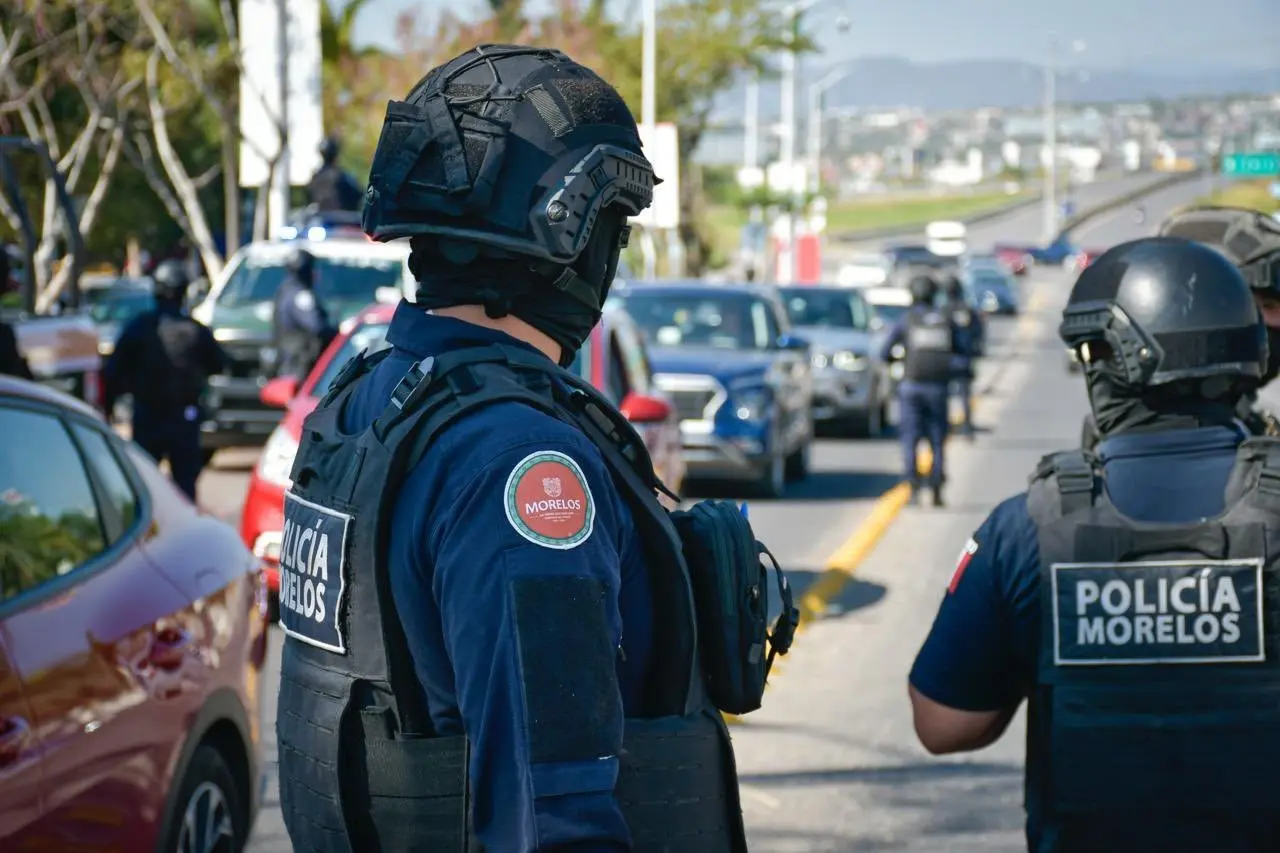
[[164, 359], [300, 326], [932, 343], [331, 188], [969, 323], [474, 559], [1250, 240], [11, 361], [1123, 595]]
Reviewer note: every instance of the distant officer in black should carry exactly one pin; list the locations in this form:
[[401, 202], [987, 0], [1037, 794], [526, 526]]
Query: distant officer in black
[[300, 324], [932, 343], [968, 324], [331, 188], [164, 359], [496, 637], [11, 361]]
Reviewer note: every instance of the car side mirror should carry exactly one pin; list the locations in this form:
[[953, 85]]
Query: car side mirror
[[279, 392], [789, 341], [643, 409]]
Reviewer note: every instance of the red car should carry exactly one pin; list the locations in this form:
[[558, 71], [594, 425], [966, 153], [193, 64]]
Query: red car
[[1018, 261], [132, 637], [1084, 258], [614, 360]]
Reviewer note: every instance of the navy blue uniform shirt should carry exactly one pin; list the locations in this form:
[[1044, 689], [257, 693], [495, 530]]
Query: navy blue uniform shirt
[[981, 652], [459, 548]]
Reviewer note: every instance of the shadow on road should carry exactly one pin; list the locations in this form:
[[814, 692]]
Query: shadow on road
[[854, 595]]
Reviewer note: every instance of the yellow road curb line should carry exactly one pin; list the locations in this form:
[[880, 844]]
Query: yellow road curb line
[[846, 559]]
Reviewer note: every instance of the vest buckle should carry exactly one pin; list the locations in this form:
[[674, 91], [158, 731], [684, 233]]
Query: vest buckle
[[413, 384]]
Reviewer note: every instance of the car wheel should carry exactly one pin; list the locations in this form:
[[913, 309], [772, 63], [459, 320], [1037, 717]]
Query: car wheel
[[797, 464], [211, 814], [772, 481]]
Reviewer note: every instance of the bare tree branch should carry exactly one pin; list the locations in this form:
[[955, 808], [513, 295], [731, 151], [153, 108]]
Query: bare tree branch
[[139, 152], [183, 188], [202, 181]]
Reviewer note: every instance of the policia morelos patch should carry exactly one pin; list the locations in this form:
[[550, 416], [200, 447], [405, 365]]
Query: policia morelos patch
[[1197, 611], [313, 573], [548, 502]]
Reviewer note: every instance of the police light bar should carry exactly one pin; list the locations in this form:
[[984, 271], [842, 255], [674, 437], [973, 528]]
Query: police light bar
[[947, 248]]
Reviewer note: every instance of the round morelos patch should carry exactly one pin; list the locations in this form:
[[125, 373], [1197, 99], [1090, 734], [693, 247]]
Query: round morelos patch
[[548, 501]]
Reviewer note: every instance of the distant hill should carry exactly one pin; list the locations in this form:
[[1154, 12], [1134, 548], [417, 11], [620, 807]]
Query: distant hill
[[969, 84]]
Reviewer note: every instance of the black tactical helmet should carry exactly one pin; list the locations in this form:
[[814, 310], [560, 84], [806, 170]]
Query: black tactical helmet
[[511, 149], [1168, 309], [302, 264], [1248, 238], [952, 286], [329, 149], [924, 289], [171, 279]]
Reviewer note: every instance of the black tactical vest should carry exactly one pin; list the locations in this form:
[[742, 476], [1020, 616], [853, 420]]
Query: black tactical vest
[[360, 771], [1154, 725], [929, 347]]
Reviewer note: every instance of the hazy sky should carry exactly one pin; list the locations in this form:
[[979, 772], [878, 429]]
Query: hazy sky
[[1163, 33]]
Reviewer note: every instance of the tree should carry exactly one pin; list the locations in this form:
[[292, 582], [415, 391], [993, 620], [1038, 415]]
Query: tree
[[64, 85]]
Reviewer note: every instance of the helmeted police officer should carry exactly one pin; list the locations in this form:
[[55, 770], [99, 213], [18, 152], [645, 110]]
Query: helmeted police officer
[[474, 557], [969, 324], [301, 327], [164, 359], [931, 342], [1126, 595], [331, 188], [1251, 240]]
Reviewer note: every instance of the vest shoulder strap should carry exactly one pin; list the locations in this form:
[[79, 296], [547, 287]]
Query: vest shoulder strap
[[1256, 476], [1064, 483]]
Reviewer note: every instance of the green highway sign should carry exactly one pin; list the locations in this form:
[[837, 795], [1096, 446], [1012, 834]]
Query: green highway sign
[[1256, 164]]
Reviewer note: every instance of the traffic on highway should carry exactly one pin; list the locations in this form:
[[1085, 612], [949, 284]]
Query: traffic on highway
[[496, 503]]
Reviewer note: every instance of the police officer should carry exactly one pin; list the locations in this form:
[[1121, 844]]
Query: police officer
[[1250, 240], [1123, 594], [164, 359], [301, 327], [931, 342], [331, 188], [472, 567], [11, 359], [969, 323]]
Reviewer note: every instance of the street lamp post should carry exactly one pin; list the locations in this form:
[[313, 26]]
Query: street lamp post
[[1051, 135], [816, 93]]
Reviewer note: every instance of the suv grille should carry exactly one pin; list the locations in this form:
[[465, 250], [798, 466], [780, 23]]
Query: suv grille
[[245, 357], [691, 405]]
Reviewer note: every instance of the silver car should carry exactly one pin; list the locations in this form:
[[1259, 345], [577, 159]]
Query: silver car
[[851, 386]]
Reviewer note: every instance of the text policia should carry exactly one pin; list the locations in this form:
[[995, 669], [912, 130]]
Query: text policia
[[304, 570], [1181, 611]]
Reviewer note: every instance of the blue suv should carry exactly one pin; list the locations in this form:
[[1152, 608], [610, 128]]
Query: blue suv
[[739, 379]]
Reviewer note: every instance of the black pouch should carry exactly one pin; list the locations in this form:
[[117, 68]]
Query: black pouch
[[726, 566]]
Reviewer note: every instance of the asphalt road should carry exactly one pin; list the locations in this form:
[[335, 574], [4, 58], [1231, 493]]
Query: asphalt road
[[830, 763]]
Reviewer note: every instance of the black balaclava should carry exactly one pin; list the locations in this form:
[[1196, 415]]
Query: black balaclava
[[507, 286], [1119, 408]]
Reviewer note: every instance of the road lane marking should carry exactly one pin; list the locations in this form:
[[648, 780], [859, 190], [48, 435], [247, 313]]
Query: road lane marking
[[842, 564]]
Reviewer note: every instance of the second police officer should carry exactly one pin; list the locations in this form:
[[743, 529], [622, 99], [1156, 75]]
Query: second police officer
[[1123, 595], [331, 188], [301, 327], [969, 324], [490, 620], [930, 342], [164, 359]]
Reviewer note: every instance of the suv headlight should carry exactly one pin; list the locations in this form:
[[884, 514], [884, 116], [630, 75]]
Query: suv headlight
[[819, 360], [750, 403], [846, 360], [276, 461]]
